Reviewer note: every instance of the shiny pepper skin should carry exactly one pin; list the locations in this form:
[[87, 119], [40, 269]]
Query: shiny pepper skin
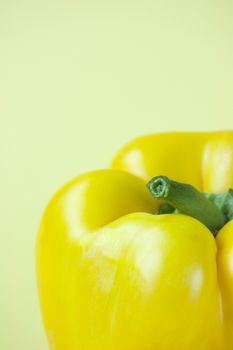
[[114, 276]]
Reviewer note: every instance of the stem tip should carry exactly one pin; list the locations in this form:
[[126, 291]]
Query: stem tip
[[159, 186]]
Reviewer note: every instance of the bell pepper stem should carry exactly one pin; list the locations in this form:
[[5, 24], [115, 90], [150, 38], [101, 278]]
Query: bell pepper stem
[[224, 201], [188, 200]]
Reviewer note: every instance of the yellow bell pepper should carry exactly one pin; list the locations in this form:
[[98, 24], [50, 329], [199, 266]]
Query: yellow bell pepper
[[114, 276]]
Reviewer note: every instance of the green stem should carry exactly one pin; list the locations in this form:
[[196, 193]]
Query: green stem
[[224, 201], [189, 201], [166, 208]]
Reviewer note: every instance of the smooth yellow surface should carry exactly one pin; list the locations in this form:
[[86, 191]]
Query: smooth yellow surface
[[114, 276], [203, 159], [78, 79]]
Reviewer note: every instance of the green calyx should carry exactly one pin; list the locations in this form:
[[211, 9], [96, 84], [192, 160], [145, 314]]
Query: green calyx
[[224, 201], [213, 210]]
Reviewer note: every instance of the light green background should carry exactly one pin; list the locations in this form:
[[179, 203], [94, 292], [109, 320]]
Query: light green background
[[78, 79]]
